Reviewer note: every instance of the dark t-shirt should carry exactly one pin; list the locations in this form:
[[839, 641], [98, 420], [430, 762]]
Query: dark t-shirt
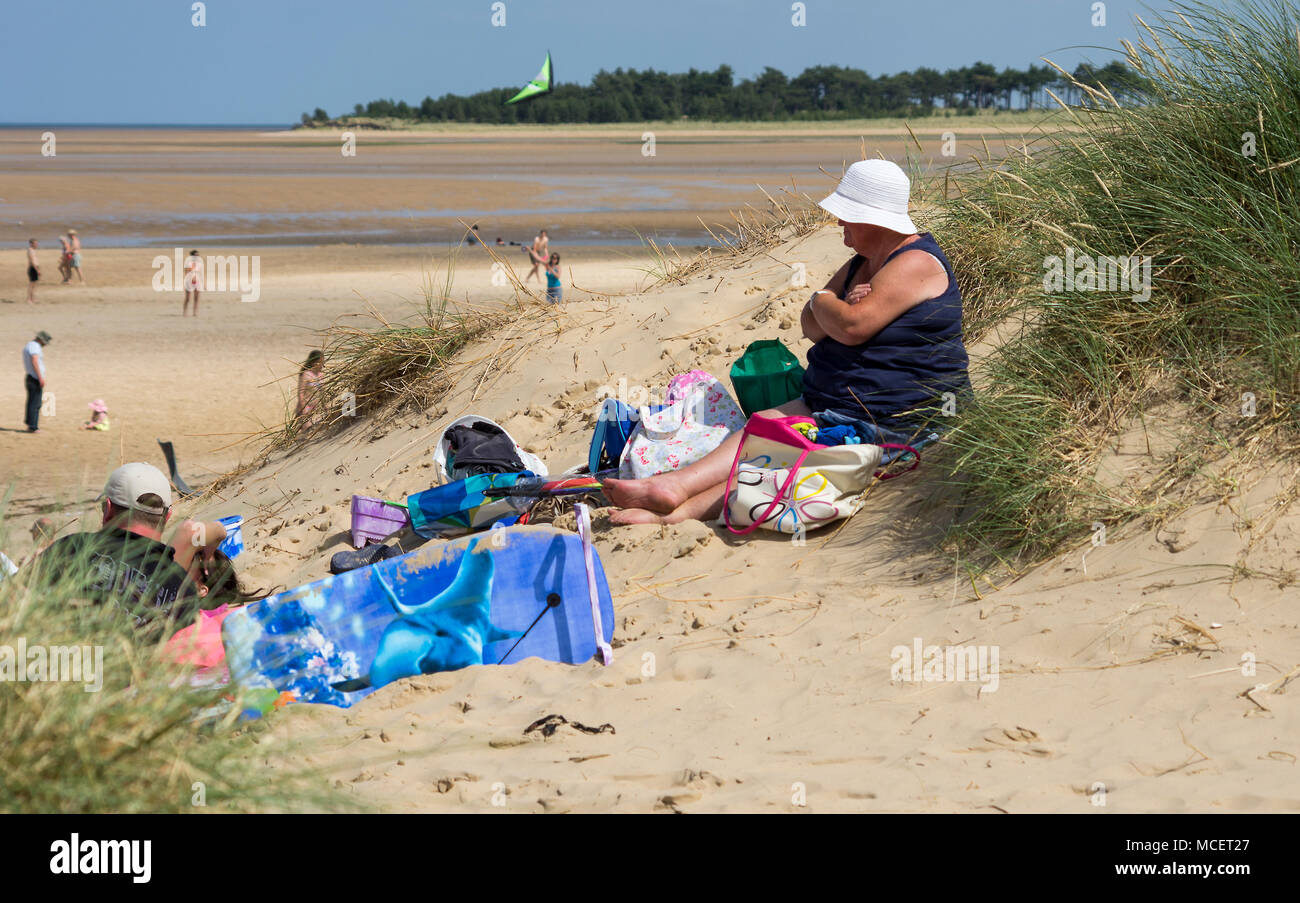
[[135, 572]]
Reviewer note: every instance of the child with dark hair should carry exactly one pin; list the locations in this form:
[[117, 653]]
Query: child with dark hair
[[309, 377], [554, 291]]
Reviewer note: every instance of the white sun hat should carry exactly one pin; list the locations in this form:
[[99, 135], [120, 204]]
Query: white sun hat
[[873, 192]]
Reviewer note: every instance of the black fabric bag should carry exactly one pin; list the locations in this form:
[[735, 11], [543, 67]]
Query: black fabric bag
[[480, 448]]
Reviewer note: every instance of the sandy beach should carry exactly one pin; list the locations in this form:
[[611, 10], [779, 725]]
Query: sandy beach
[[207, 383], [750, 675]]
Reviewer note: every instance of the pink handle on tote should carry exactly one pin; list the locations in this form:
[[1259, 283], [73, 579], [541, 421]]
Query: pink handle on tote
[[779, 429], [772, 428]]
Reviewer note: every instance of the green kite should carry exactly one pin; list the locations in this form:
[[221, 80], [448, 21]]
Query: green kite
[[539, 85]]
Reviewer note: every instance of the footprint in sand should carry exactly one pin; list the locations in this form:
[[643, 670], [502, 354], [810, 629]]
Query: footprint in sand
[[1018, 739]]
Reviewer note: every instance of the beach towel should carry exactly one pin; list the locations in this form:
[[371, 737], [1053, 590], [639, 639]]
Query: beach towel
[[463, 506], [699, 417]]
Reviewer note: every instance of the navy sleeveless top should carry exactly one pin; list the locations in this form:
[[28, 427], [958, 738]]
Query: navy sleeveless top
[[908, 364]]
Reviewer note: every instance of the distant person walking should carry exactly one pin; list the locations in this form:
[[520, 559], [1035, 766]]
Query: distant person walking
[[309, 378], [33, 270], [538, 254], [554, 290], [193, 281], [34, 379], [75, 263], [65, 259]]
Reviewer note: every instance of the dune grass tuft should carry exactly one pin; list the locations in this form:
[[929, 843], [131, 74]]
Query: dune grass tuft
[[122, 731], [1202, 178]]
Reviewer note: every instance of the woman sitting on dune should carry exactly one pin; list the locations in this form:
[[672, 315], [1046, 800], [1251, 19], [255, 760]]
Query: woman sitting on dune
[[887, 345]]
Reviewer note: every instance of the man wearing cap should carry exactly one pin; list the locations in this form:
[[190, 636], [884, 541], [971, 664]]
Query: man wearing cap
[[34, 373], [126, 562], [887, 359]]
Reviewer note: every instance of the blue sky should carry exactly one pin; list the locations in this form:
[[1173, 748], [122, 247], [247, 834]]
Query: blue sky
[[267, 61]]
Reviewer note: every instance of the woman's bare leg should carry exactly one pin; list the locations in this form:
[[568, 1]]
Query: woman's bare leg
[[707, 505], [667, 493]]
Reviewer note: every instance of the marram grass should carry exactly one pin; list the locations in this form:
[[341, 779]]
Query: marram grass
[[1202, 178], [133, 742]]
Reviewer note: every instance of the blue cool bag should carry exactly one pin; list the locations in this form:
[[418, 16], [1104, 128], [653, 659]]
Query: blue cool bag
[[614, 426]]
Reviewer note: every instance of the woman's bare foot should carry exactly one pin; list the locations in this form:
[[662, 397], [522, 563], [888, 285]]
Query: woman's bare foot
[[656, 495], [624, 516]]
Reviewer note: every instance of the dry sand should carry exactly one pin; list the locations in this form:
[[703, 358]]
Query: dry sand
[[755, 675]]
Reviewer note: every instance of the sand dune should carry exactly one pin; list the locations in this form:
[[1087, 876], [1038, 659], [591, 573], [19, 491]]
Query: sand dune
[[755, 675]]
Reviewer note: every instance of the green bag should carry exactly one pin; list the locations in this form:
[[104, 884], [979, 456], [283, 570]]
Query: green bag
[[765, 376]]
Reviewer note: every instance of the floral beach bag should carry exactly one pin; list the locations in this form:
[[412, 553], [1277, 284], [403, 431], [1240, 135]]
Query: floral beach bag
[[699, 417], [780, 480]]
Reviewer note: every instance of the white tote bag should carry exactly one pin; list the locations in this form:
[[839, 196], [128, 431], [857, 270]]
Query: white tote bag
[[826, 487]]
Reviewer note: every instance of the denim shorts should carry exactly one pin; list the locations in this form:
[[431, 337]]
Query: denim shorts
[[553, 294], [877, 434]]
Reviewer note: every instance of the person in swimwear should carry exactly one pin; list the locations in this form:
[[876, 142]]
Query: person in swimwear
[[33, 270], [538, 254], [75, 262], [193, 281]]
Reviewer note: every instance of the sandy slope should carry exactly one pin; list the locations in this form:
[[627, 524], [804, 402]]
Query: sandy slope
[[750, 672]]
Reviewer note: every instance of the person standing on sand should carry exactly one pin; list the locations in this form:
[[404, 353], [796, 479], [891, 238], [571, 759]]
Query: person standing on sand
[[554, 289], [193, 281], [75, 263], [65, 259], [887, 342], [33, 270], [538, 255], [34, 379], [309, 378]]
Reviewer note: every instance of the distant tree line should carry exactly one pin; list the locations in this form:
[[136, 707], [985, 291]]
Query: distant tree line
[[820, 92]]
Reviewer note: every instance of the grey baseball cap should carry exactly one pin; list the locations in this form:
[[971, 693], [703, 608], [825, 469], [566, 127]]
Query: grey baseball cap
[[130, 483]]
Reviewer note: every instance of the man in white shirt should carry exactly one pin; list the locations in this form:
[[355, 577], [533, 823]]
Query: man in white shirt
[[34, 371]]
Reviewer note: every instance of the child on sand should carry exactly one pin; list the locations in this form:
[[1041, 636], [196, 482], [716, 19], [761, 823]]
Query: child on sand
[[537, 253], [65, 259], [98, 416], [554, 291], [309, 378]]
